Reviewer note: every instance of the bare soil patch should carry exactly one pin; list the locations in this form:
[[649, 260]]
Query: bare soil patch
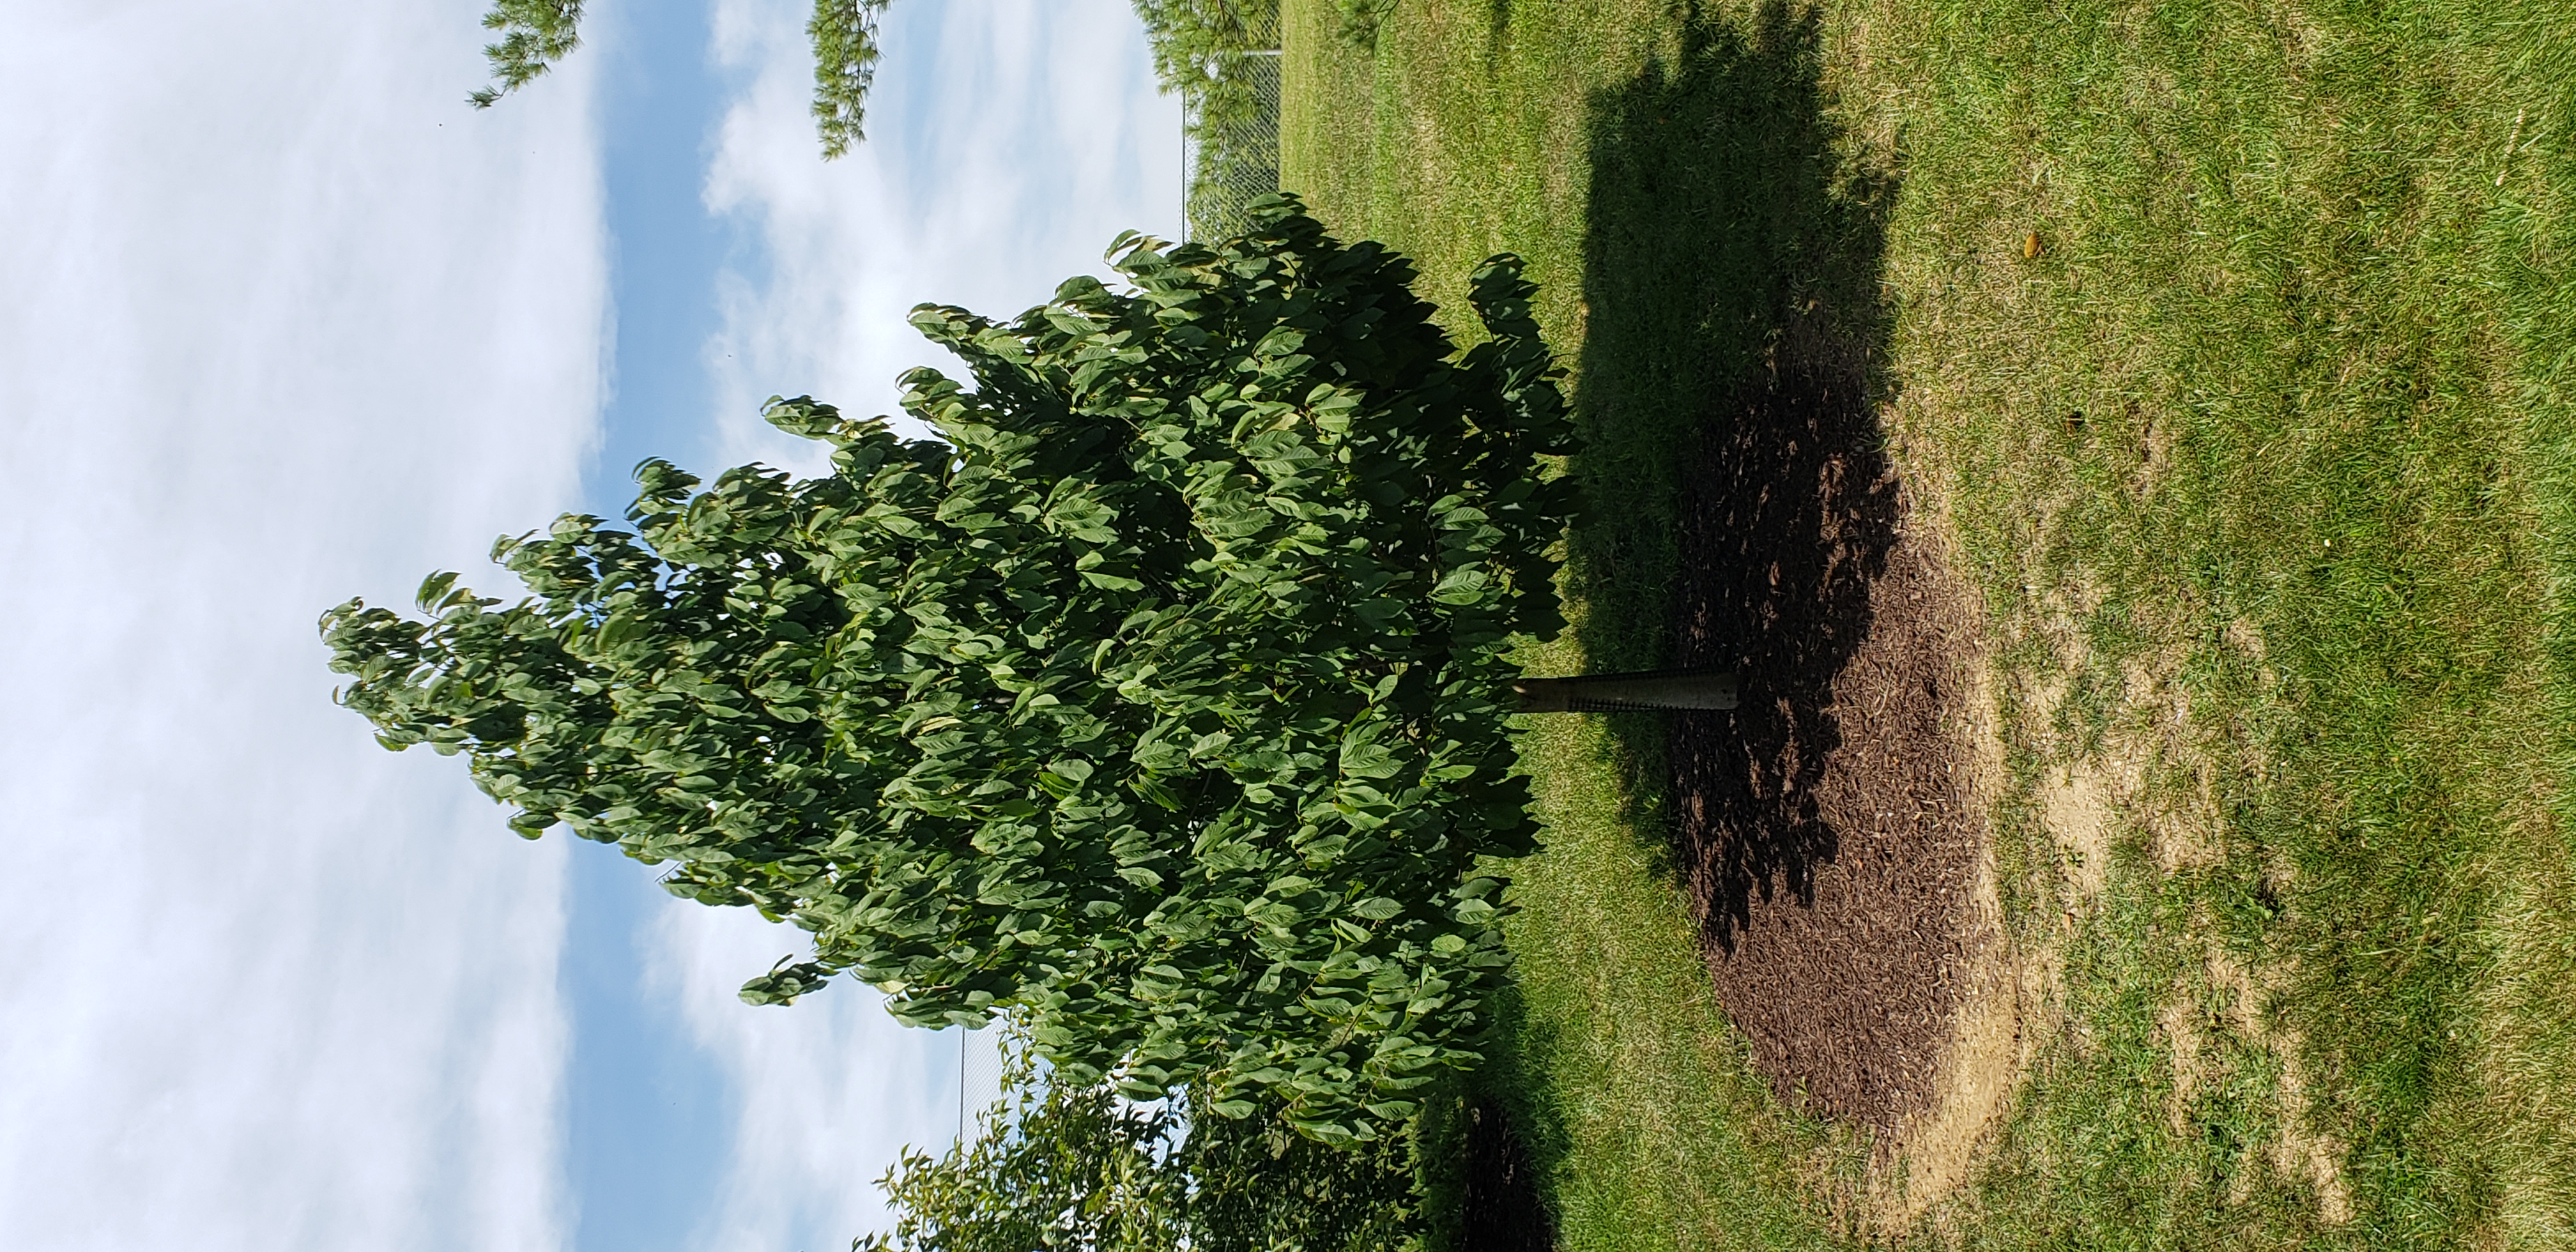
[[1831, 829]]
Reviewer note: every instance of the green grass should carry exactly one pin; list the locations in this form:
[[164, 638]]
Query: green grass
[[2303, 272], [1619, 1041]]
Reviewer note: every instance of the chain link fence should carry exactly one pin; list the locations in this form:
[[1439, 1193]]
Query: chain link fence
[[1230, 123], [979, 1076]]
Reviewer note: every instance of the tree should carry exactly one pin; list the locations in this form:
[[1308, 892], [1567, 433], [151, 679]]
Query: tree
[[1067, 1165], [537, 33], [1184, 31], [1158, 706], [1184, 35], [1057, 1165]]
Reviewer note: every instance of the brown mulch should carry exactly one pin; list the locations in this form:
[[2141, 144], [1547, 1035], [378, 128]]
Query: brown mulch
[[1826, 827]]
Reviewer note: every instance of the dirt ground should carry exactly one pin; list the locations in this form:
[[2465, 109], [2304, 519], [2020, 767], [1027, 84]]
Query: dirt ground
[[1829, 829]]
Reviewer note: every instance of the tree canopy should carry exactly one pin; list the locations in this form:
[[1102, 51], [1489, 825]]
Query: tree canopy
[[1158, 707], [537, 33]]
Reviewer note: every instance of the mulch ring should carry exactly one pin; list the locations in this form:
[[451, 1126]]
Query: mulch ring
[[1826, 828]]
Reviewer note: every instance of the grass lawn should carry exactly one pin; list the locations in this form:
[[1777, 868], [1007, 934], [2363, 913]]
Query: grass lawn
[[2234, 347]]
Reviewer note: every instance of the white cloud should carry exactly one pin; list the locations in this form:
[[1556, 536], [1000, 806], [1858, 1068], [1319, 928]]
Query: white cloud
[[831, 1088], [280, 320], [1008, 142]]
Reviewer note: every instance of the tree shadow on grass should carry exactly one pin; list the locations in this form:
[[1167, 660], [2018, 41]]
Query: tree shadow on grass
[[1739, 503], [1500, 1128]]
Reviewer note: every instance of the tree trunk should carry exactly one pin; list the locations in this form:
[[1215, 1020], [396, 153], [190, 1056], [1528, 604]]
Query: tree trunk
[[1606, 693]]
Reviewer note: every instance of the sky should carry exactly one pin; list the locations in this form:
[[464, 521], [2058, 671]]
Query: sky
[[283, 321]]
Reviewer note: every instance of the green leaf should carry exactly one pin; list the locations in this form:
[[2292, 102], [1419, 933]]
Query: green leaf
[[433, 591]]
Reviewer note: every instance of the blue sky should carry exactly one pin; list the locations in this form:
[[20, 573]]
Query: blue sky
[[734, 251], [281, 320], [646, 1132]]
